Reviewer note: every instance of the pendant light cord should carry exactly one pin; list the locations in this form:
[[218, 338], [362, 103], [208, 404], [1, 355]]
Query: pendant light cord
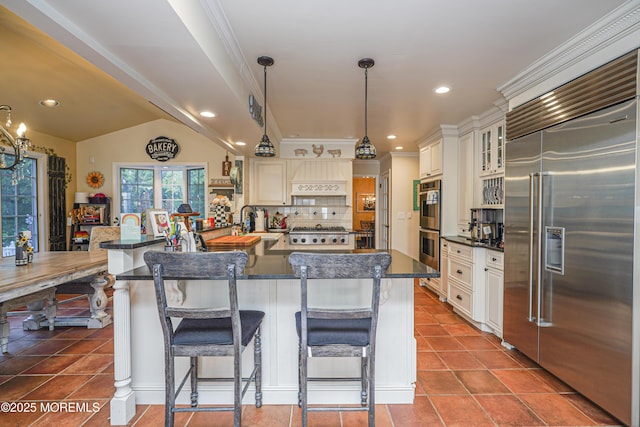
[[366, 103], [265, 99]]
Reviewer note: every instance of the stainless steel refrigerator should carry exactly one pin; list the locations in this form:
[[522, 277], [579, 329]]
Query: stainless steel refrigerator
[[569, 251]]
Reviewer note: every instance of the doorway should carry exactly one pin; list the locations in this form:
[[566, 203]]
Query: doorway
[[364, 211]]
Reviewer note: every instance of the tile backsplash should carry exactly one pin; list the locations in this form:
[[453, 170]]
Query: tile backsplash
[[309, 211]]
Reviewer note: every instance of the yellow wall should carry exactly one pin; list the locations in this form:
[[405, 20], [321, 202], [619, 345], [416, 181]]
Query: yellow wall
[[128, 146]]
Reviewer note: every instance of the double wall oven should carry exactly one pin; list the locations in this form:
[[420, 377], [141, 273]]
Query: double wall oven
[[430, 203]]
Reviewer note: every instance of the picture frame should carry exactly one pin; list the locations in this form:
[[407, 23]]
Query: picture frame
[[158, 222], [416, 192], [365, 202]]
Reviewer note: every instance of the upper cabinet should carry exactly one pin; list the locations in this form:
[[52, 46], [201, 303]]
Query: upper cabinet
[[431, 160], [268, 182], [491, 150], [465, 182]]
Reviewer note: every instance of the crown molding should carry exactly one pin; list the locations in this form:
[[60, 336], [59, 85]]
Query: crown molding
[[596, 38]]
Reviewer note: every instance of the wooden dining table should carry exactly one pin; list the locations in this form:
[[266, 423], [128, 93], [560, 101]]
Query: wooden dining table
[[34, 284]]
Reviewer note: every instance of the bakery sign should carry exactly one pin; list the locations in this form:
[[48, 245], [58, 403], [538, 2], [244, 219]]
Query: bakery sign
[[162, 148]]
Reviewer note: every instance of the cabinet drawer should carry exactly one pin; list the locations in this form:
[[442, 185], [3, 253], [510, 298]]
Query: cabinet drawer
[[432, 283], [460, 271], [461, 251], [444, 247], [495, 259], [460, 297]]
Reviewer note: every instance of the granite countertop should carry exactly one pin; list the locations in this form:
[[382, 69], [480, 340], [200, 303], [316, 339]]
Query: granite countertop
[[471, 242], [265, 263]]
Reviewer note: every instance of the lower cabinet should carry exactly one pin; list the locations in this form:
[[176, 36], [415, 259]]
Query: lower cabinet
[[494, 280], [439, 284], [471, 280], [466, 282]]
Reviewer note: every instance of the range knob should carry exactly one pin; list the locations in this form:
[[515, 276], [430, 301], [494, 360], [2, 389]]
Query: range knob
[[343, 240], [295, 240], [303, 240], [315, 240], [323, 240], [335, 240]]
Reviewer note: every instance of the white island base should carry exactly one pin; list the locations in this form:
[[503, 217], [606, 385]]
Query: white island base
[[139, 350]]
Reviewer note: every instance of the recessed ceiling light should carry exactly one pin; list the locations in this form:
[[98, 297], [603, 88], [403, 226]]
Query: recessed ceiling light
[[49, 103], [207, 114], [399, 147], [241, 143], [442, 89], [391, 137]]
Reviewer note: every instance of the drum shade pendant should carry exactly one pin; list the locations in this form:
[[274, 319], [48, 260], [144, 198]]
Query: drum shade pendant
[[265, 147], [365, 150]]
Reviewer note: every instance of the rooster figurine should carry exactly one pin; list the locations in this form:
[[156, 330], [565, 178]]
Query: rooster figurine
[[317, 150]]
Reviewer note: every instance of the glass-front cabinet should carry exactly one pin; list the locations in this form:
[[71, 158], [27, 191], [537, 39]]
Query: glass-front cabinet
[[492, 149]]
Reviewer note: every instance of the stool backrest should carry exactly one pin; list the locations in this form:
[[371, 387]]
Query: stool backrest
[[340, 266], [196, 266], [331, 266]]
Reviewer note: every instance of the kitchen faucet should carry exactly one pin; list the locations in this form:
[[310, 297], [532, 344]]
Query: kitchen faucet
[[242, 222]]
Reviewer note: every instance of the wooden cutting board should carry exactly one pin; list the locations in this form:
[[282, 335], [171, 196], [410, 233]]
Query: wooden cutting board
[[232, 242]]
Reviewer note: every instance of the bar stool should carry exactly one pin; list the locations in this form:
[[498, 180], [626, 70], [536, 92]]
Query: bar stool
[[331, 332], [206, 331]]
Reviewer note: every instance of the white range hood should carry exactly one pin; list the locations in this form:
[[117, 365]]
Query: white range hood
[[321, 177], [319, 188]]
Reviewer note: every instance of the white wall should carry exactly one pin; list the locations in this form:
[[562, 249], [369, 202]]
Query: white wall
[[404, 220]]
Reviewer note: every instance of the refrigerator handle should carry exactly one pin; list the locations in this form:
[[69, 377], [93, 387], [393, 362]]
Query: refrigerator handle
[[532, 213], [539, 249]]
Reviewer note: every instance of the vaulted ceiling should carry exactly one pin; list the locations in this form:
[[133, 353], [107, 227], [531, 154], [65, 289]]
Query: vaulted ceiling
[[113, 64]]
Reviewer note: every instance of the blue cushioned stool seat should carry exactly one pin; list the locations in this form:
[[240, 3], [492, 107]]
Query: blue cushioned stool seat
[[216, 331], [336, 331]]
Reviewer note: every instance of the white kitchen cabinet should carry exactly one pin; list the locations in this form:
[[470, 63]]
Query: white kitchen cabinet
[[465, 182], [494, 279], [431, 160], [268, 182], [466, 282], [444, 270], [439, 285], [491, 149]]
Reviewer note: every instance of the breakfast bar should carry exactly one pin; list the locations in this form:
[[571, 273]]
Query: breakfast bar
[[267, 284]]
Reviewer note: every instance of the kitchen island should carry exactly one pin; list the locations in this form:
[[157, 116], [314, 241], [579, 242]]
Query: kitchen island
[[267, 284]]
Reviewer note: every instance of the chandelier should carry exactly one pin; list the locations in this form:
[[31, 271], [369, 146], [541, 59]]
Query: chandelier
[[18, 146], [365, 150], [265, 147]]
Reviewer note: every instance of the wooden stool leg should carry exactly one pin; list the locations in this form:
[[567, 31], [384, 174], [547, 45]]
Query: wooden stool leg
[[194, 382], [257, 358]]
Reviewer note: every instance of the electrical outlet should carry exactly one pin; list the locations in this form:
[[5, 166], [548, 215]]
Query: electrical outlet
[[400, 215]]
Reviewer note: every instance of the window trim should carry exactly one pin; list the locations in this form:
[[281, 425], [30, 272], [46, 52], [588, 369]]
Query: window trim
[[42, 200], [115, 185]]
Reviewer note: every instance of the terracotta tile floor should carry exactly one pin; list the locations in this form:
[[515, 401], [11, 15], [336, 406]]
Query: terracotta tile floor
[[465, 378]]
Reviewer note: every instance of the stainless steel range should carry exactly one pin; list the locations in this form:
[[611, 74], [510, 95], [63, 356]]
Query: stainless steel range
[[319, 235]]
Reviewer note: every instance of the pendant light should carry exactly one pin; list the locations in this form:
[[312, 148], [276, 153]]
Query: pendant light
[[265, 147], [365, 150]]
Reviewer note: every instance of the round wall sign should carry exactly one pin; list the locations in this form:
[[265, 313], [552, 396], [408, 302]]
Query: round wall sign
[[162, 149]]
